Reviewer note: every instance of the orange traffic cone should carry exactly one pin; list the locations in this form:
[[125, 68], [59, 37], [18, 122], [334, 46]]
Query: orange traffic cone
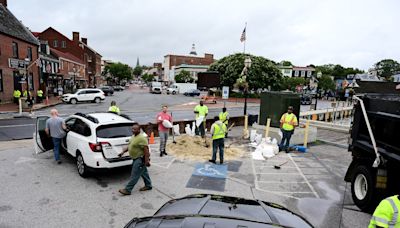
[[151, 141]]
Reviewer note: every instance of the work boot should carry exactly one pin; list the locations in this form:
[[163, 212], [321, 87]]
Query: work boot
[[212, 161], [161, 153], [221, 162], [145, 188], [165, 153], [124, 192]]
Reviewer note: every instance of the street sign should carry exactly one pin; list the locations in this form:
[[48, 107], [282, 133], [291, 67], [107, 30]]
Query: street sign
[[225, 92], [17, 63]]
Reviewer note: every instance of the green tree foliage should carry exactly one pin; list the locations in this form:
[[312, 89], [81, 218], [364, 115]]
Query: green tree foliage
[[326, 83], [261, 74], [387, 68], [291, 83], [148, 78], [286, 63], [338, 71], [183, 77], [137, 71], [118, 71]]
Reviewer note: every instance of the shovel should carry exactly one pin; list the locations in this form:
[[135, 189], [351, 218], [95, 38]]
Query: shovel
[[279, 166], [173, 132]]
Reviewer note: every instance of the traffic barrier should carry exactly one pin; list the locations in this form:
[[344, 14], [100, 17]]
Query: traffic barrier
[[151, 140]]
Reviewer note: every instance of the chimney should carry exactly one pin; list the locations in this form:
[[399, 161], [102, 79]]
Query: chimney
[[75, 37], [4, 2], [84, 40]]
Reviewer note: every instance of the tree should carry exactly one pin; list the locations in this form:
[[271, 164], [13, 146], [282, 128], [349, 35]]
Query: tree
[[386, 68], [137, 71], [338, 71], [292, 83], [118, 71], [183, 77], [286, 63], [261, 74], [148, 78], [326, 83]]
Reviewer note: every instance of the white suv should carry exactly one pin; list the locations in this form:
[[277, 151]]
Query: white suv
[[94, 95], [94, 140]]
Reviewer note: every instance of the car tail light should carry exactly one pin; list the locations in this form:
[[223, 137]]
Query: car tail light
[[98, 147]]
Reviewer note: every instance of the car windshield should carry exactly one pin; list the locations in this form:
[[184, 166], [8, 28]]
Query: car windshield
[[114, 130]]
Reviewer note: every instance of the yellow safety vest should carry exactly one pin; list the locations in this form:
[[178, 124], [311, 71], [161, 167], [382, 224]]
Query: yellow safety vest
[[17, 94], [219, 131], [289, 121], [387, 213], [223, 117], [114, 109], [203, 110], [40, 93]]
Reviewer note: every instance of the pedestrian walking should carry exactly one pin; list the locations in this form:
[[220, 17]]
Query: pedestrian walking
[[163, 131], [39, 94], [387, 213], [201, 111], [114, 108], [218, 131], [56, 129], [139, 151], [288, 124]]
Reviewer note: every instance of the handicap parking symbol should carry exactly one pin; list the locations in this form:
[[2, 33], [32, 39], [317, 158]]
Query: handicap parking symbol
[[210, 170]]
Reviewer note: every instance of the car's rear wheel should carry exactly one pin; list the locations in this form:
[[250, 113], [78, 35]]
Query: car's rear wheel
[[81, 166], [173, 92], [97, 100], [73, 101]]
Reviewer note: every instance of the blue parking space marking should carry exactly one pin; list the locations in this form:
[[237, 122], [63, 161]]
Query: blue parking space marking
[[210, 170]]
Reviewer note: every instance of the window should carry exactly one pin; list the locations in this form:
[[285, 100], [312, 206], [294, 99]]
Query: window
[[15, 50], [55, 43], [81, 128], [309, 73], [63, 44], [29, 53], [114, 131], [303, 73], [30, 81], [1, 81], [296, 73]]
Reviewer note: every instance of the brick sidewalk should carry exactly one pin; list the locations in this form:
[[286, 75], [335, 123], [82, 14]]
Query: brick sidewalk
[[11, 107]]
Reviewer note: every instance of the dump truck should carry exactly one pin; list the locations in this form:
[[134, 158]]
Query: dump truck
[[374, 143]]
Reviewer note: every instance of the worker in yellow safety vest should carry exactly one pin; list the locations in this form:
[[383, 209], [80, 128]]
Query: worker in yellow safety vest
[[224, 118], [114, 108], [218, 131], [39, 95], [288, 124], [387, 213], [201, 111], [16, 95]]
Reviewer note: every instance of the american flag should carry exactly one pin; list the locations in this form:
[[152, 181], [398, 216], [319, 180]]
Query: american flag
[[243, 37], [38, 62]]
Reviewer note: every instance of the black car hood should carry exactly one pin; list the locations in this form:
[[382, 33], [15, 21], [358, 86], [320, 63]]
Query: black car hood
[[205, 210]]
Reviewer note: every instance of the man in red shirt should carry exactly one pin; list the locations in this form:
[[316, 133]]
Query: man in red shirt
[[163, 132]]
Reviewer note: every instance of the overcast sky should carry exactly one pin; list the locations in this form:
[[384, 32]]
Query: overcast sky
[[355, 33]]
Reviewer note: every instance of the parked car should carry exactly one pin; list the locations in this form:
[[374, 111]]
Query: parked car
[[156, 87], [94, 140], [192, 93], [108, 90], [305, 99], [206, 210], [84, 95], [118, 88]]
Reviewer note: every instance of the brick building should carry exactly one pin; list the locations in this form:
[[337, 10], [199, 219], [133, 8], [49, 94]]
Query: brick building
[[170, 61], [78, 48], [18, 51]]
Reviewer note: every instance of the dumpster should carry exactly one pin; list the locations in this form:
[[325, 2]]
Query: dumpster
[[274, 104]]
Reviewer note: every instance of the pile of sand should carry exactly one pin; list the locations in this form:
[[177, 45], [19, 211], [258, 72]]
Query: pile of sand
[[193, 148]]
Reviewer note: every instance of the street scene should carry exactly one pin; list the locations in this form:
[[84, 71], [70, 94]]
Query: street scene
[[177, 114]]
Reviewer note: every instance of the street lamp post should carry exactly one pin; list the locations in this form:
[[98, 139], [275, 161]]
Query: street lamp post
[[247, 65]]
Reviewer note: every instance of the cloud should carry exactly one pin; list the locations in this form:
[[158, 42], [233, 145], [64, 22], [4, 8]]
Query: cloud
[[352, 33]]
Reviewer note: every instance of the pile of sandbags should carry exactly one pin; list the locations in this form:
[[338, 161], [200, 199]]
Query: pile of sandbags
[[264, 147]]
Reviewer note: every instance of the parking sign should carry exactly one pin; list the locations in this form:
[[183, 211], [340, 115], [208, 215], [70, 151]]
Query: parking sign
[[225, 92]]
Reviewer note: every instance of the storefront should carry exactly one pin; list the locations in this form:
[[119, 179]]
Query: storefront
[[50, 79]]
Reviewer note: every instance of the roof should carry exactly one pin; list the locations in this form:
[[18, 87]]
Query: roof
[[65, 55], [36, 34], [303, 68], [109, 117], [87, 46], [11, 26], [192, 66]]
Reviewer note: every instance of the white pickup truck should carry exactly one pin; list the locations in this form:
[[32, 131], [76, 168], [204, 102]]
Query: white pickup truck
[[173, 89]]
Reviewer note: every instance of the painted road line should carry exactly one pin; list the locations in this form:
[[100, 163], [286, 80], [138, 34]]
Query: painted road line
[[19, 125], [305, 178], [277, 193], [279, 173], [283, 182], [254, 173]]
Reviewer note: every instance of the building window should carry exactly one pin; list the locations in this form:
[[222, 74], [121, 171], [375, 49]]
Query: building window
[[303, 73], [30, 81], [1, 81], [296, 73], [29, 53], [309, 73], [55, 43], [15, 50], [63, 44]]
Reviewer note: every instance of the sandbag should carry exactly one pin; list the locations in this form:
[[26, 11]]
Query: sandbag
[[176, 129], [199, 120], [188, 131], [167, 124], [253, 135]]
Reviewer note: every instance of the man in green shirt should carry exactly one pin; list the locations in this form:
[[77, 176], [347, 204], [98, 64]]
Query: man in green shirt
[[139, 152], [201, 111]]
